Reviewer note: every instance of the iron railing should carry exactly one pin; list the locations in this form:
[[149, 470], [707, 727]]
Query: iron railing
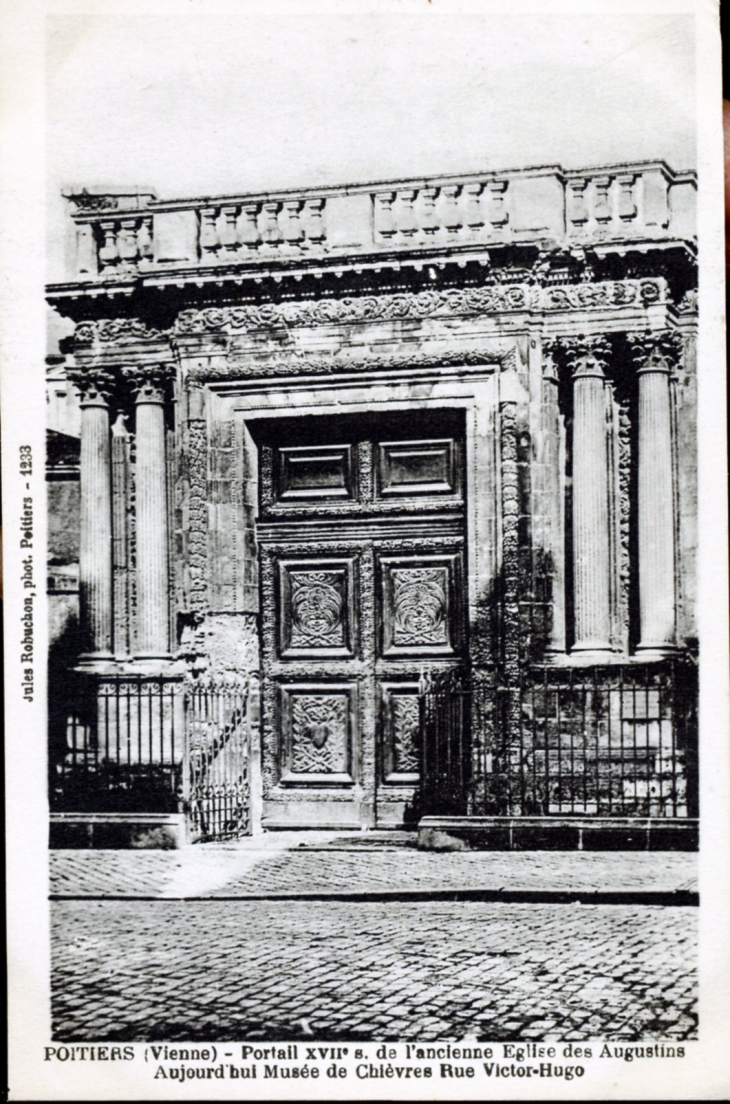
[[129, 744], [116, 745], [616, 740]]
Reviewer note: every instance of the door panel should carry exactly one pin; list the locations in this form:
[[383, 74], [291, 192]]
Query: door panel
[[319, 730], [362, 567]]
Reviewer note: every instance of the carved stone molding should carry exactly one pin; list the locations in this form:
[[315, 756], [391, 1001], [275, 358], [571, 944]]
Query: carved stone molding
[[493, 299], [115, 331], [501, 353]]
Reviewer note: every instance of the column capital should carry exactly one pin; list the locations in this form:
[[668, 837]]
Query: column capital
[[655, 350], [148, 382], [587, 355], [96, 385]]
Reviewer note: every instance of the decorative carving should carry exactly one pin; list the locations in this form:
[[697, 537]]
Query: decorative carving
[[492, 353], [689, 303], [494, 298], [197, 457], [371, 308], [606, 294], [406, 721], [117, 331], [148, 381], [317, 606], [319, 734], [420, 606], [90, 204], [586, 355], [95, 384], [510, 538], [656, 351]]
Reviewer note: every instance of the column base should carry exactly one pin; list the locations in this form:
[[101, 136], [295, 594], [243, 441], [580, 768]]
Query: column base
[[657, 651], [592, 652]]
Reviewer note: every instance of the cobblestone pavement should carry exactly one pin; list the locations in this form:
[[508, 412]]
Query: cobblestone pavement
[[272, 866], [208, 969]]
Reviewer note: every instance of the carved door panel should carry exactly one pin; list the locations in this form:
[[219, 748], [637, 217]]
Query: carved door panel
[[362, 569]]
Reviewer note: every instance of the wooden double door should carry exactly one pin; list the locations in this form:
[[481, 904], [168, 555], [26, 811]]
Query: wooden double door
[[362, 571]]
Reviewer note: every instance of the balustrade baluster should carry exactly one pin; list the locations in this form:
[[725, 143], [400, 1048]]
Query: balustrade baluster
[[429, 218], [144, 237], [269, 224], [313, 223], [577, 210], [407, 223], [228, 232], [384, 221], [127, 240], [497, 209], [209, 240], [473, 215], [108, 253], [450, 205], [248, 230], [602, 202], [292, 224], [626, 205]]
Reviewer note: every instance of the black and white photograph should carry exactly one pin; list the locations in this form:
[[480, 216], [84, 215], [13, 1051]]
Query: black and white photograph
[[366, 553]]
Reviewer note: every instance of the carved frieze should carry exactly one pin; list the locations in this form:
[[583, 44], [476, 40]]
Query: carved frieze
[[493, 299], [491, 353], [115, 331]]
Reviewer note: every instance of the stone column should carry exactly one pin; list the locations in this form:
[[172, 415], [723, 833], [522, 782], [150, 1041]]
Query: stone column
[[95, 553], [151, 512], [552, 490], [655, 356], [591, 534]]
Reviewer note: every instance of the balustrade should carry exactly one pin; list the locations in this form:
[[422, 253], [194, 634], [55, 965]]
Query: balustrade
[[623, 201], [447, 214], [124, 241], [290, 225]]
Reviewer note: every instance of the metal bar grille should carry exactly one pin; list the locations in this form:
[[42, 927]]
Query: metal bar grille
[[116, 747], [616, 740]]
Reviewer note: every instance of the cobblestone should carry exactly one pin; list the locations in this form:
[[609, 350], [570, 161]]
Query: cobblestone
[[285, 867], [209, 969]]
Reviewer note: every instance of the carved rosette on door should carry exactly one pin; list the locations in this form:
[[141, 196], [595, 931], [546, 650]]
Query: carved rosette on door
[[361, 537]]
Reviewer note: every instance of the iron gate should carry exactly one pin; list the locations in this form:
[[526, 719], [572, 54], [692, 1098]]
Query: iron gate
[[217, 782], [140, 744]]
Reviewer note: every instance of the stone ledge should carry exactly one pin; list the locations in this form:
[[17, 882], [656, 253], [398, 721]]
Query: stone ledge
[[558, 833], [138, 831]]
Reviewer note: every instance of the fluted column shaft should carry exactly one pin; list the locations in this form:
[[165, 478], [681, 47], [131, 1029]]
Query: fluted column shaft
[[656, 520], [95, 552], [591, 546], [151, 521]]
